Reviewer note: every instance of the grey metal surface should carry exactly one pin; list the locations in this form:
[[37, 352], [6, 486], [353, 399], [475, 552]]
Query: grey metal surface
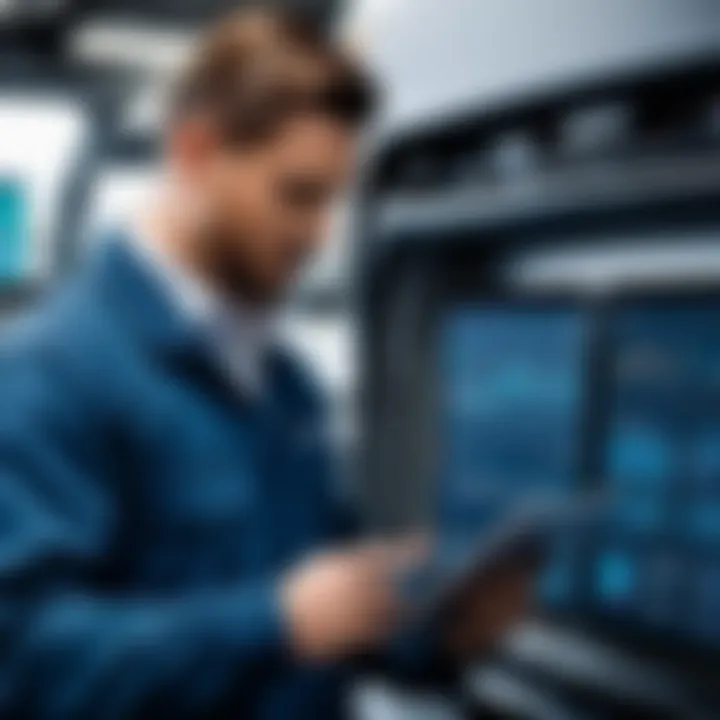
[[604, 185], [602, 667], [500, 690], [457, 53]]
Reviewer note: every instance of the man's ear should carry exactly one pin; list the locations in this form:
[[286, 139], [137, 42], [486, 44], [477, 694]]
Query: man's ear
[[191, 144]]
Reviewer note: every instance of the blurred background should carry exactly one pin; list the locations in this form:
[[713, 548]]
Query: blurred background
[[522, 294]]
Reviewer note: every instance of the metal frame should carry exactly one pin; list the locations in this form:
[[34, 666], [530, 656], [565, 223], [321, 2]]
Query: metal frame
[[405, 255]]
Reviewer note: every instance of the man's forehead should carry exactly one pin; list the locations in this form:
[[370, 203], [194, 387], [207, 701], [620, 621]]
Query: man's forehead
[[314, 140]]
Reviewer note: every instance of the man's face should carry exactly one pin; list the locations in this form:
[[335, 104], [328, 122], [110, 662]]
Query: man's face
[[264, 207]]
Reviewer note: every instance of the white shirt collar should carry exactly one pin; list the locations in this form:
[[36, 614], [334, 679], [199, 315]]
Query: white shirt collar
[[242, 336], [198, 302]]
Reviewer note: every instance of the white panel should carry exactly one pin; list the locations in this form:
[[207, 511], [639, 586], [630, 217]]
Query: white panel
[[618, 264], [435, 55], [40, 141], [118, 196]]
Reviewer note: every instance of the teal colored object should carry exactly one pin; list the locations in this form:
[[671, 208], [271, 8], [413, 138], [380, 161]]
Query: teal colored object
[[616, 577], [13, 232]]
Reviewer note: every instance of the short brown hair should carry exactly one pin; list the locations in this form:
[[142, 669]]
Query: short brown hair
[[256, 68]]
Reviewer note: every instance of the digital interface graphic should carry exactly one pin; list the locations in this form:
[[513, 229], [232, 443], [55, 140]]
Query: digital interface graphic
[[657, 560], [511, 403]]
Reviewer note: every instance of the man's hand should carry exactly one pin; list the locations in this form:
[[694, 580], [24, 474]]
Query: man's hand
[[340, 604], [489, 608]]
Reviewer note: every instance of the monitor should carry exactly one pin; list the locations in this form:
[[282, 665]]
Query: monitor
[[657, 559], [14, 251], [511, 405]]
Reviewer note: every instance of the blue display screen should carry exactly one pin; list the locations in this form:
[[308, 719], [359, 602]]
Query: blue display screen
[[512, 382], [658, 557], [13, 232]]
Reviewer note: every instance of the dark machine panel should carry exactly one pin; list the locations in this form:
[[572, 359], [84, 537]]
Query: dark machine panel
[[564, 253]]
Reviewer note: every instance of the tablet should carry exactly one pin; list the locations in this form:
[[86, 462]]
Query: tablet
[[524, 534]]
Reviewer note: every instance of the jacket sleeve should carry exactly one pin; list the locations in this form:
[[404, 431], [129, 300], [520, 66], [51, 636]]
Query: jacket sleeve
[[71, 649]]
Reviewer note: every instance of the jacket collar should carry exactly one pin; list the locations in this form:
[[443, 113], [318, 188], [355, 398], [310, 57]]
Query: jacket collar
[[142, 305]]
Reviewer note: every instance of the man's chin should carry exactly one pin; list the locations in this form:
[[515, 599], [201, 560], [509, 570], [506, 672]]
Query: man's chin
[[259, 292], [258, 286]]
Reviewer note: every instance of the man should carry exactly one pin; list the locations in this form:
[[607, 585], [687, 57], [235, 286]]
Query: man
[[168, 517]]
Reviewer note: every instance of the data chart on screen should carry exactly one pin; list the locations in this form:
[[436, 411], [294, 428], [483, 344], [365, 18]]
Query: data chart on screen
[[658, 557]]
